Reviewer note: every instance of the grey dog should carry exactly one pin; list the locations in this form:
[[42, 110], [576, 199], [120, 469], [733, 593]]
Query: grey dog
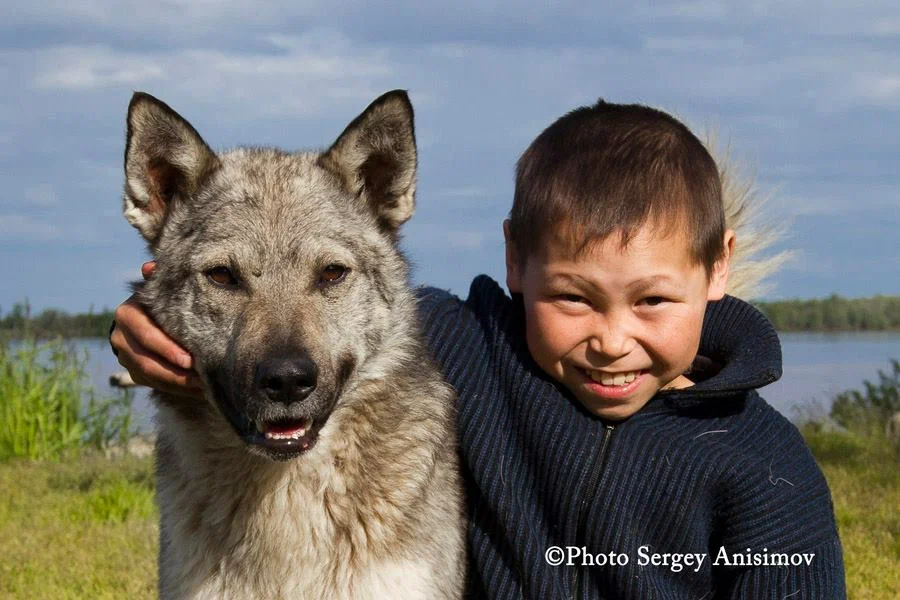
[[322, 461]]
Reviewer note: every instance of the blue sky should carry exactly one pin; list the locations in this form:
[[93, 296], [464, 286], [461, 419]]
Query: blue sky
[[806, 93]]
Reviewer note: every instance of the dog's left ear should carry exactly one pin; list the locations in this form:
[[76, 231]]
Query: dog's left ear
[[375, 158]]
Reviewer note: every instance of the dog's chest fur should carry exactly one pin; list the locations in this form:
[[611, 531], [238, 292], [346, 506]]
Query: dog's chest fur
[[327, 525]]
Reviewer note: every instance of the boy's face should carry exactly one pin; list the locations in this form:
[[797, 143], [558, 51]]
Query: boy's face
[[615, 325]]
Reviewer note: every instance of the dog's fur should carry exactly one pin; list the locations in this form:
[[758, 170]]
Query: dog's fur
[[280, 273]]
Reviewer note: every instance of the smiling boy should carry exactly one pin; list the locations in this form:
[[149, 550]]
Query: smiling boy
[[610, 404]]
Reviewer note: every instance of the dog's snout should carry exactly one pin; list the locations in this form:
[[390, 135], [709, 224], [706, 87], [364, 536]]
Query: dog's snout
[[286, 380]]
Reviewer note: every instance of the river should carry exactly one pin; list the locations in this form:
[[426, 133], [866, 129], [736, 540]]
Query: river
[[816, 367]]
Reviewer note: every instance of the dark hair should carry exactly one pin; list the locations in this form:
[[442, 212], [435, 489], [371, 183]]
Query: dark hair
[[611, 168]]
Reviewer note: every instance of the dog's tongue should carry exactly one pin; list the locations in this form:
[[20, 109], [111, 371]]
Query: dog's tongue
[[285, 427]]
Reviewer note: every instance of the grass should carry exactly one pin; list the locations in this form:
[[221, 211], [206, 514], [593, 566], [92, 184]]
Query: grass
[[864, 476], [83, 528], [87, 527], [78, 525], [42, 392]]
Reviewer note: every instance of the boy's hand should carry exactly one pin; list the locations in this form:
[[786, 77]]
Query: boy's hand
[[152, 357]]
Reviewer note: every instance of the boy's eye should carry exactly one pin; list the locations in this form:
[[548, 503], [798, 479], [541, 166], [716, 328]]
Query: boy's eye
[[653, 300], [570, 298]]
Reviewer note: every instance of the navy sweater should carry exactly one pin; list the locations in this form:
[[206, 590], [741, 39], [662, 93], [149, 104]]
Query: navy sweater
[[695, 471]]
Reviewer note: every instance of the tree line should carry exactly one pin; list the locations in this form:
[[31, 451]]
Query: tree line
[[19, 323], [835, 313]]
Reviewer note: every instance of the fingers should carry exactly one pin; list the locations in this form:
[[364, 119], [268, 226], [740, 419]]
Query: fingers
[[148, 268], [149, 369], [137, 324], [150, 356]]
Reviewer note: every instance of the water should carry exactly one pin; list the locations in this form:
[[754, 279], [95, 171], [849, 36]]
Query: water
[[101, 364], [819, 365], [816, 367]]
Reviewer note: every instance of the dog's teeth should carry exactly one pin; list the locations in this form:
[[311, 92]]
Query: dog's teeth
[[293, 435]]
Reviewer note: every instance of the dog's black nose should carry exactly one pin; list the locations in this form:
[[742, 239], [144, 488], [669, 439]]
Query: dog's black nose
[[286, 380]]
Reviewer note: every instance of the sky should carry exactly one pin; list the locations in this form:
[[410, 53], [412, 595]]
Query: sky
[[805, 94]]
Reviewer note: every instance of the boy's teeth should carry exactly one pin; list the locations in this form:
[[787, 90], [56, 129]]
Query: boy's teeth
[[617, 379]]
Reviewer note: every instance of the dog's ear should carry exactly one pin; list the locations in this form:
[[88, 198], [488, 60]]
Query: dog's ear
[[375, 158], [165, 159]]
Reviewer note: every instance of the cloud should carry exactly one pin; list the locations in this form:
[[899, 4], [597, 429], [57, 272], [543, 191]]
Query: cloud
[[694, 44], [300, 75], [92, 67], [41, 195], [879, 89], [22, 228], [810, 99]]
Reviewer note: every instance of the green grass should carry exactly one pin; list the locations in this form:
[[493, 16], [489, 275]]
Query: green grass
[[864, 476], [87, 528], [83, 528], [42, 391], [78, 525]]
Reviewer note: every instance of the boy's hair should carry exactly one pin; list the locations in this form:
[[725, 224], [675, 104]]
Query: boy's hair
[[611, 168]]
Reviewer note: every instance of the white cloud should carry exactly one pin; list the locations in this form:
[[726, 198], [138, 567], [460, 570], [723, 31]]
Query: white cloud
[[41, 194], [694, 44], [22, 228], [91, 67], [309, 74], [879, 89], [710, 10]]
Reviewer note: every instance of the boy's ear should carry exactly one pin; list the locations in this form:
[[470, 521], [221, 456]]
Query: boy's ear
[[718, 279], [513, 273]]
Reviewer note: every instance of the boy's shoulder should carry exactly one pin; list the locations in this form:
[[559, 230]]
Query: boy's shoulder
[[770, 489], [486, 301]]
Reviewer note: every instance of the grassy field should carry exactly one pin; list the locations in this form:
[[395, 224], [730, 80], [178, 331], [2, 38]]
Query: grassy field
[[86, 528], [76, 524], [864, 477], [83, 528]]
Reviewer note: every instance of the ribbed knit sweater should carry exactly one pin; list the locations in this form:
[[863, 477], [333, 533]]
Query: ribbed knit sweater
[[694, 471]]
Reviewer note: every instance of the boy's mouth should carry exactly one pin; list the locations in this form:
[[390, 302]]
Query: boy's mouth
[[613, 379], [614, 387]]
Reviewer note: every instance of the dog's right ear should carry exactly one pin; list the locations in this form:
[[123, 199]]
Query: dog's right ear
[[165, 160]]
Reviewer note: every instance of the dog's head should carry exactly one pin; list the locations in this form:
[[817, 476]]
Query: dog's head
[[278, 271]]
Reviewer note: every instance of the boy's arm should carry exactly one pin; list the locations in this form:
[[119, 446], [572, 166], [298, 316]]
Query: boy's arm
[[819, 575], [778, 535]]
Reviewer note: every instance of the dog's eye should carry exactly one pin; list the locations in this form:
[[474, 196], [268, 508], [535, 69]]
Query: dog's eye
[[333, 274], [221, 276]]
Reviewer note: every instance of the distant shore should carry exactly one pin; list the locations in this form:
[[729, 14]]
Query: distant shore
[[832, 314]]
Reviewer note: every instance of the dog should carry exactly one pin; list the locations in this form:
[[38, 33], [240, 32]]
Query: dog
[[322, 461]]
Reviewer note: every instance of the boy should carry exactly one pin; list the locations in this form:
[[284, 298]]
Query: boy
[[601, 459]]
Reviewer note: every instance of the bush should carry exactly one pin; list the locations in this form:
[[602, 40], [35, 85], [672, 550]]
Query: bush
[[866, 412]]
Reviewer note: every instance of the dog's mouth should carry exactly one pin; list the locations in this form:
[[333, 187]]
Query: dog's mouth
[[283, 438]]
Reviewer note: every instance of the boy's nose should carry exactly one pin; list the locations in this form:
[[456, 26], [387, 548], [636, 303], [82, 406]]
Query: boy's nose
[[610, 339]]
